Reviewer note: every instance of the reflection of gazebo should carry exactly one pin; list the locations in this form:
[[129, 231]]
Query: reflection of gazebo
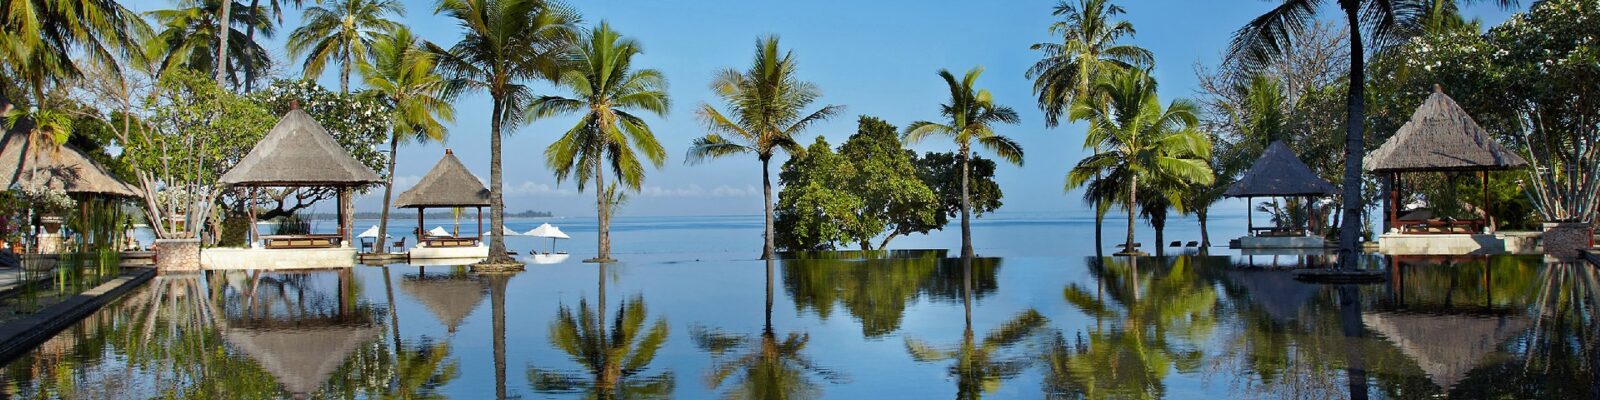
[[302, 358], [1278, 173], [1440, 137], [448, 185], [298, 152], [1276, 292], [451, 298], [1446, 347]]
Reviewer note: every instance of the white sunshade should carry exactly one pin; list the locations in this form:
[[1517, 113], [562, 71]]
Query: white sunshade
[[370, 232], [508, 232], [548, 231], [439, 231]]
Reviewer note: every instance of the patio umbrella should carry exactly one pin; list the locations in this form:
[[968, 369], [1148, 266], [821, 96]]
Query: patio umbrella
[[505, 231], [370, 232], [549, 231], [439, 231]]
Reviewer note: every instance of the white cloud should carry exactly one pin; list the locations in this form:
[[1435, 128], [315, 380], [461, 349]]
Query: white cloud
[[699, 191], [528, 188], [405, 182]]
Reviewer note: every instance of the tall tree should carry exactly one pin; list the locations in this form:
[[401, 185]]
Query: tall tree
[[767, 103], [1264, 39], [277, 7], [972, 114], [184, 40], [505, 44], [343, 34], [403, 73], [43, 41], [607, 91], [1140, 139]]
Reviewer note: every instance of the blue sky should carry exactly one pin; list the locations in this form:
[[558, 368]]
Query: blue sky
[[874, 57]]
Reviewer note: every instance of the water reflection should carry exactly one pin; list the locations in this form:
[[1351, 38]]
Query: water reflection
[[980, 366], [764, 367], [876, 291], [615, 361]]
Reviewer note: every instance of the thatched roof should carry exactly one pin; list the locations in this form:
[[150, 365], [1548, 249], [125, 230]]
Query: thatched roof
[[451, 298], [1441, 137], [299, 152], [448, 184], [67, 170], [1447, 347], [1276, 292], [1279, 173], [302, 358]]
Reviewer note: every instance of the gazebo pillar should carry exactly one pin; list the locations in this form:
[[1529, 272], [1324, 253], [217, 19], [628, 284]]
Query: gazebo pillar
[[480, 224], [344, 217], [1249, 217], [1488, 218], [1387, 190], [420, 225]]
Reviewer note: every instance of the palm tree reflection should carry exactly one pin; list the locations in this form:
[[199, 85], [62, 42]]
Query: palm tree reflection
[[766, 367], [980, 366], [615, 359]]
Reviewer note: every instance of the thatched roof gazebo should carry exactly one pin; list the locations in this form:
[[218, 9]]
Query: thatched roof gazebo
[[1277, 173], [451, 298], [299, 152], [1439, 137], [448, 185], [302, 358], [30, 165], [1446, 347]]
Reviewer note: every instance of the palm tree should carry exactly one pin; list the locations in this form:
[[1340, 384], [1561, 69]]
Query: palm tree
[[767, 104], [506, 43], [185, 39], [972, 113], [767, 367], [1261, 41], [277, 7], [1140, 139], [607, 91], [342, 33], [980, 365], [403, 74], [614, 358], [44, 41]]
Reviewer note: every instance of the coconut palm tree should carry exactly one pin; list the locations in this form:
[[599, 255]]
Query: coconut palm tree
[[184, 40], [343, 34], [506, 44], [1139, 139], [766, 111], [616, 359], [607, 91], [1261, 41], [44, 41], [766, 367], [972, 114], [403, 74], [980, 365], [1089, 48], [276, 6]]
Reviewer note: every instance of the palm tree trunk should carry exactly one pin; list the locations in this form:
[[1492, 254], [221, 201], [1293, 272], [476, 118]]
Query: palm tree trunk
[[766, 328], [250, 37], [223, 23], [497, 207], [767, 252], [497, 301], [1099, 225], [1205, 237], [966, 204], [605, 215], [1350, 229], [388, 192], [344, 71], [1133, 198]]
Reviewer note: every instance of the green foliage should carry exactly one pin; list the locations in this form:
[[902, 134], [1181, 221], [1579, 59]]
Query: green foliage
[[187, 39], [766, 107], [1088, 49], [816, 210], [51, 41], [942, 173], [607, 92], [200, 130], [870, 187], [342, 33]]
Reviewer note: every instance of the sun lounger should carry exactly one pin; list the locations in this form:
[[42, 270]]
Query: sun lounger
[[301, 241], [449, 241]]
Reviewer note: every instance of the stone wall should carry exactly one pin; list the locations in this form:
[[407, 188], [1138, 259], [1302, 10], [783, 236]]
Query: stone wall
[[177, 255], [1565, 241]]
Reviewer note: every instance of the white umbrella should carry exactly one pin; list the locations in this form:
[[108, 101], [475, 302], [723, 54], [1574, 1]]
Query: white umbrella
[[549, 231], [370, 232], [508, 232], [439, 231]]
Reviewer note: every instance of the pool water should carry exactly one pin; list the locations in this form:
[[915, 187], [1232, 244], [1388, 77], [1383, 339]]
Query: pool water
[[916, 326]]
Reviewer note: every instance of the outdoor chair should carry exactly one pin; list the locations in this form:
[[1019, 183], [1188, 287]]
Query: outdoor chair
[[400, 244]]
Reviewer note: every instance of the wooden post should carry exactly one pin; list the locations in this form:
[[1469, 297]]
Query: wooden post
[[344, 226], [1488, 219], [420, 229], [480, 223], [250, 212], [1394, 200], [1249, 217]]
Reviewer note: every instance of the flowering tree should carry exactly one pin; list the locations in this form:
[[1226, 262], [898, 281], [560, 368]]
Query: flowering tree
[[358, 121]]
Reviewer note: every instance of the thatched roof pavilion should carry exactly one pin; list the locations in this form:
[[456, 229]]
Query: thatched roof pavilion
[[448, 185], [1447, 347], [1277, 173], [451, 298], [302, 358], [1439, 137], [299, 152], [67, 170]]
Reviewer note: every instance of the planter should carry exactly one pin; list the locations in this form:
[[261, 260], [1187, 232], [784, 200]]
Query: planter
[[174, 255], [1566, 241], [51, 224]]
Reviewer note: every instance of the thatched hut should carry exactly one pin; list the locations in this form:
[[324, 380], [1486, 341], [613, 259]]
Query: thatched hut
[[1439, 137], [30, 165], [448, 185], [299, 152], [1278, 173], [1446, 347], [451, 297]]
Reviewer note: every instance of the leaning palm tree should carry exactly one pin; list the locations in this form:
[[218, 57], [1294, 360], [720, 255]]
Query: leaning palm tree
[[506, 43], [184, 40], [403, 74], [766, 111], [607, 91], [1263, 40], [1089, 48], [1141, 140], [47, 41], [343, 34], [972, 114]]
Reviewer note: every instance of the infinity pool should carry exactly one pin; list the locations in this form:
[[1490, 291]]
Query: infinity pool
[[914, 327]]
